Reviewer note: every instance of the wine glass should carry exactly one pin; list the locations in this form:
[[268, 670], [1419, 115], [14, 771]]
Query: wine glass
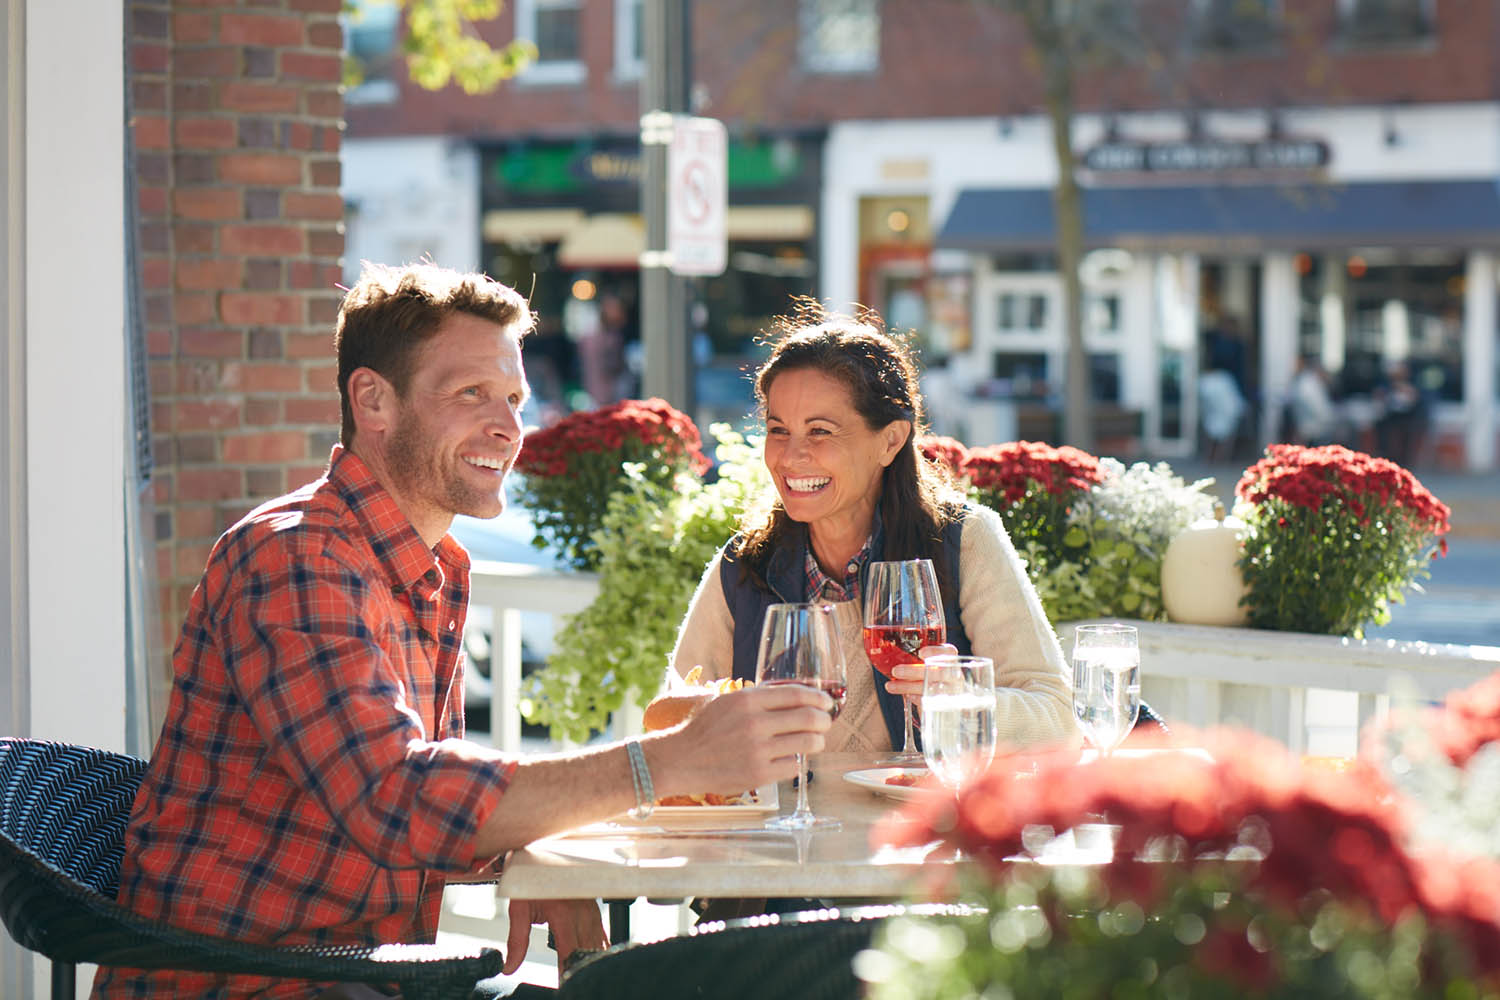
[[799, 644], [903, 613], [958, 717], [1106, 682]]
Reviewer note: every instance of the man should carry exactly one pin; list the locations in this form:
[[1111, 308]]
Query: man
[[310, 784]]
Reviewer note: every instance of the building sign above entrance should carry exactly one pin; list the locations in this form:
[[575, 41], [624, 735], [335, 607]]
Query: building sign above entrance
[[1196, 156]]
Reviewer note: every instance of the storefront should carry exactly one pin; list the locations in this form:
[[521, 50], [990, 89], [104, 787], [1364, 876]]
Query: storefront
[[1335, 245], [561, 219]]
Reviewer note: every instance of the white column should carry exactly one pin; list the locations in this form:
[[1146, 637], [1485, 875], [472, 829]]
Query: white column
[[74, 329], [1278, 336], [1479, 362]]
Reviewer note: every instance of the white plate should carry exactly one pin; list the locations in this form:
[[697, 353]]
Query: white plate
[[874, 780], [766, 802]]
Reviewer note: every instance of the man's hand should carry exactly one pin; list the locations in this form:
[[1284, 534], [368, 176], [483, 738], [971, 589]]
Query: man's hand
[[739, 740], [575, 923], [906, 678]]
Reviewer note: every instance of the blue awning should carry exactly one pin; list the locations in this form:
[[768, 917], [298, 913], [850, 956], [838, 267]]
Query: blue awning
[[1308, 216]]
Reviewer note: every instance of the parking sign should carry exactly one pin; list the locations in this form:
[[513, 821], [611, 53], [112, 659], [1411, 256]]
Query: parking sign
[[698, 195]]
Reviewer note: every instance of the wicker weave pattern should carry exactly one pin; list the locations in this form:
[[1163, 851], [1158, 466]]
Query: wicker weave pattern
[[63, 810], [790, 956]]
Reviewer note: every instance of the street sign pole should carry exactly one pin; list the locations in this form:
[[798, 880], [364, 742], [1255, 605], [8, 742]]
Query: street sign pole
[[664, 90]]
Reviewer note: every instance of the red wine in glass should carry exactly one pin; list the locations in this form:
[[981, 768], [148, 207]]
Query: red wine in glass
[[835, 689], [892, 645]]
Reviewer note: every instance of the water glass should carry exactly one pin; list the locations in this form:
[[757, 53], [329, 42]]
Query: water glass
[[958, 717], [1106, 682]]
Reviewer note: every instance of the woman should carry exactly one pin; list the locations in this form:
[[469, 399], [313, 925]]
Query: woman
[[841, 408]]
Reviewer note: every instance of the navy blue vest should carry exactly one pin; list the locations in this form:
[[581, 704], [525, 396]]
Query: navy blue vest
[[788, 585]]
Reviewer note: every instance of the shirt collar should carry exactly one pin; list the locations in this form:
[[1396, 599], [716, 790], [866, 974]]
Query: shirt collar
[[407, 560], [822, 586]]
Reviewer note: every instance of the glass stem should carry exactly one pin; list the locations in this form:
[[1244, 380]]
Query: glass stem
[[802, 808], [911, 740]]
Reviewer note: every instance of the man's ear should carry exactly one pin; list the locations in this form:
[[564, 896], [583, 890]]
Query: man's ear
[[372, 400]]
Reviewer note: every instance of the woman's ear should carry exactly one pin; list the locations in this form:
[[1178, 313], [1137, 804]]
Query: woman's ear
[[895, 435], [372, 400]]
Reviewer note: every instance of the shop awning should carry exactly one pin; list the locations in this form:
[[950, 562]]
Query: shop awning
[[608, 239], [529, 225], [1310, 216]]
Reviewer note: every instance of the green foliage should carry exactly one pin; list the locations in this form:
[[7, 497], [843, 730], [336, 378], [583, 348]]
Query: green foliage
[[1055, 932], [1105, 559], [442, 46], [654, 543]]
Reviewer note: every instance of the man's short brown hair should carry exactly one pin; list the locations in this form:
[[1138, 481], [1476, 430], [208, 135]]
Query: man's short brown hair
[[391, 311]]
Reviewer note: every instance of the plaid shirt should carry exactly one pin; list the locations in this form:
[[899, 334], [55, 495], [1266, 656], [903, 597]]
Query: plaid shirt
[[822, 587], [310, 782]]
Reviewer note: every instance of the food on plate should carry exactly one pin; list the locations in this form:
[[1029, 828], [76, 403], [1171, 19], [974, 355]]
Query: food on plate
[[906, 780], [667, 710]]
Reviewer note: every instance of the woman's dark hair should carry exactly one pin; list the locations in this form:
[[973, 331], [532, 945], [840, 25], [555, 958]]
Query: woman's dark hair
[[917, 498]]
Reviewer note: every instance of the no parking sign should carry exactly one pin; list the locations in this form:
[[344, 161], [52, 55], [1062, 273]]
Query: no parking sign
[[697, 195]]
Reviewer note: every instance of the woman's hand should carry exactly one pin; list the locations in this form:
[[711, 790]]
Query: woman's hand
[[906, 678]]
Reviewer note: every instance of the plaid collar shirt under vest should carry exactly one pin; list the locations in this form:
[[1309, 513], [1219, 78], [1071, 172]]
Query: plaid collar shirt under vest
[[310, 784]]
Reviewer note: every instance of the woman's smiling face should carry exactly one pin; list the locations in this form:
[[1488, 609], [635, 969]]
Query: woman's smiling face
[[826, 462]]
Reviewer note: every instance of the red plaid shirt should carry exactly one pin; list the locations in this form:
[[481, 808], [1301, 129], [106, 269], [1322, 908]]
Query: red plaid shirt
[[310, 782]]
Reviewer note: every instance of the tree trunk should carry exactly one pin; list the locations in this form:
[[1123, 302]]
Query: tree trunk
[[1067, 208]]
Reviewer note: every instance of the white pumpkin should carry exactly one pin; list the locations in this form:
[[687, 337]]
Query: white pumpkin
[[1200, 581]]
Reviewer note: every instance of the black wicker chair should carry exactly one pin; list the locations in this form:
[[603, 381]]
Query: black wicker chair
[[790, 956], [63, 810]]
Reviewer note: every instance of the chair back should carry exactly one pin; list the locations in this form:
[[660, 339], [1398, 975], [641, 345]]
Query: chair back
[[790, 956]]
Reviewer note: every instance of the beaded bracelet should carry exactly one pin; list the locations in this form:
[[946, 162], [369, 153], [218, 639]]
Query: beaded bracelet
[[640, 777]]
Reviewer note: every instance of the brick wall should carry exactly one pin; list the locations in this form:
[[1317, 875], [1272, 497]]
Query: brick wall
[[236, 120]]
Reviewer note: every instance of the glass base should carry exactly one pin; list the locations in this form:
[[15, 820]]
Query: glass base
[[901, 758], [802, 821]]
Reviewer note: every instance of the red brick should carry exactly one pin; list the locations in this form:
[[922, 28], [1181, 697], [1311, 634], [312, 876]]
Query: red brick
[[287, 241], [303, 346], [322, 378], [151, 200], [193, 28], [198, 378], [325, 173], [325, 242], [302, 205], [210, 483], [325, 35], [150, 131], [263, 412], [278, 377], [260, 308], [324, 103], [209, 203], [317, 6], [161, 376], [205, 63], [298, 135], [322, 412], [323, 310], [333, 139], [195, 521], [265, 446], [147, 57], [193, 237], [188, 559], [300, 474], [210, 342], [192, 95], [158, 343], [164, 572], [210, 272], [156, 272], [309, 66], [148, 95], [206, 414], [206, 133], [314, 274], [261, 168], [194, 307], [257, 97], [261, 29]]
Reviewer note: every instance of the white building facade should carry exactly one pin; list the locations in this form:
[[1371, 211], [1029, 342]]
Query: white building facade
[[1363, 237]]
